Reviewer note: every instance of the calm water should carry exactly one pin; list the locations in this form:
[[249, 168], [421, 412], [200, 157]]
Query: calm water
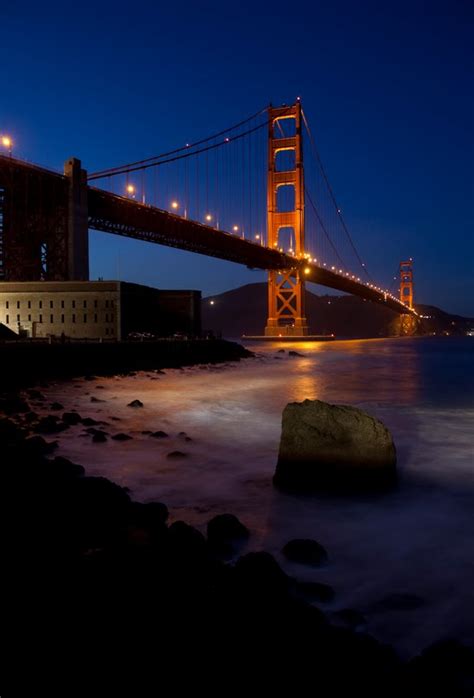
[[417, 541]]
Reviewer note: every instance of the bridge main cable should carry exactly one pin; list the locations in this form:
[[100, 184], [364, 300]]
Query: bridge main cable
[[151, 161]]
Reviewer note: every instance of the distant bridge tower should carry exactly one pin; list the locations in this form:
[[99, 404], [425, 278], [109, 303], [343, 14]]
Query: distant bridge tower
[[286, 289], [406, 283]]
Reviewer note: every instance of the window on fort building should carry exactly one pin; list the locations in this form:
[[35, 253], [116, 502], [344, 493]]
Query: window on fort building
[[73, 318], [29, 318], [62, 304], [62, 319], [95, 317], [85, 317], [74, 304], [40, 304], [29, 304], [40, 318], [106, 317], [111, 304], [112, 317], [84, 304], [106, 330], [18, 304], [51, 304], [95, 304], [7, 319], [106, 304], [7, 304], [18, 318], [51, 319]]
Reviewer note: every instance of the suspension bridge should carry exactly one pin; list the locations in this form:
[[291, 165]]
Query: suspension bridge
[[243, 194]]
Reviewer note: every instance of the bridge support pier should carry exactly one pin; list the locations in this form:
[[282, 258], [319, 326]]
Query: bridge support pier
[[77, 222], [286, 290]]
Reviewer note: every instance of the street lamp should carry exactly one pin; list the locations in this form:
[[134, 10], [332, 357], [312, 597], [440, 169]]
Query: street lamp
[[235, 228], [8, 144], [130, 190], [208, 217], [175, 205]]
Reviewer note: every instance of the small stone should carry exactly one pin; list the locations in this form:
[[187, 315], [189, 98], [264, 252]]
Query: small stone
[[121, 437], [157, 434], [294, 353], [72, 418], [99, 437], [89, 422], [56, 406], [135, 403], [96, 399], [176, 455]]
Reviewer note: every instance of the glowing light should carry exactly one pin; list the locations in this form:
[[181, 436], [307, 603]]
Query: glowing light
[[7, 141], [307, 270], [130, 189], [174, 204], [333, 268], [211, 302], [235, 228], [208, 217], [257, 237]]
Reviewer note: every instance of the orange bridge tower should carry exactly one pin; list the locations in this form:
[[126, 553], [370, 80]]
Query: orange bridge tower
[[286, 288], [406, 283]]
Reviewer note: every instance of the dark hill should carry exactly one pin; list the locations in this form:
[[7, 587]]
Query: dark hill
[[243, 310]]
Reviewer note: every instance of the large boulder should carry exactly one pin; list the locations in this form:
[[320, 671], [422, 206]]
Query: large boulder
[[325, 446]]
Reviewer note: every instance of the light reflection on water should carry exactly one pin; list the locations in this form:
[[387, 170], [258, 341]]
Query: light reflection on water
[[416, 540]]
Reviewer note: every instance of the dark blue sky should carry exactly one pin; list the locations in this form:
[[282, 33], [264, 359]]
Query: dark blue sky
[[387, 87]]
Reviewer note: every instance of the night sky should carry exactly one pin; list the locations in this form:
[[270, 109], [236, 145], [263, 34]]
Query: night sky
[[387, 87]]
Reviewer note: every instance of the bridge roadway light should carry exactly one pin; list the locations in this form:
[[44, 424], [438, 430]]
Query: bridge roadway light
[[307, 270], [8, 144], [175, 205], [235, 228], [208, 217], [130, 189]]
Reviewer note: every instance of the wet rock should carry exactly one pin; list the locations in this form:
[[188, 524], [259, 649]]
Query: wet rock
[[349, 618], [13, 404], [99, 437], [90, 378], [445, 668], [182, 433], [259, 574], [186, 544], [294, 353], [135, 403], [150, 513], [37, 446], [315, 591], [50, 425], [176, 455], [56, 406], [96, 399], [100, 387], [121, 437], [305, 551], [35, 395], [225, 532], [325, 446], [89, 422], [72, 418], [64, 469], [157, 434], [280, 351], [30, 417], [116, 419]]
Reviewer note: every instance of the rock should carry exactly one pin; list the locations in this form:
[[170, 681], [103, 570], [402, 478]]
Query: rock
[[398, 602], [259, 574], [72, 418], [37, 446], [122, 437], [30, 417], [99, 437], [150, 513], [349, 618], [305, 551], [13, 404], [280, 351], [56, 406], [50, 425], [135, 403], [116, 419], [186, 544], [89, 422], [445, 668], [176, 455], [35, 395], [334, 447], [182, 433], [64, 469], [100, 387], [315, 591], [294, 353], [224, 531], [157, 434], [96, 399]]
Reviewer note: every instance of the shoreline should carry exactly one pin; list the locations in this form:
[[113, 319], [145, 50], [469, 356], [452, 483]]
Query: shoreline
[[172, 576]]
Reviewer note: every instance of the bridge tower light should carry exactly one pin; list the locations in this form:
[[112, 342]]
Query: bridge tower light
[[8, 144], [406, 283]]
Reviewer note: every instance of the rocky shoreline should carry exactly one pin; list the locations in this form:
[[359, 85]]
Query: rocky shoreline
[[99, 570]]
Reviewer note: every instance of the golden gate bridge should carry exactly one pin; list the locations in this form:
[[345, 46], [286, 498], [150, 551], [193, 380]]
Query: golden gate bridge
[[219, 196]]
